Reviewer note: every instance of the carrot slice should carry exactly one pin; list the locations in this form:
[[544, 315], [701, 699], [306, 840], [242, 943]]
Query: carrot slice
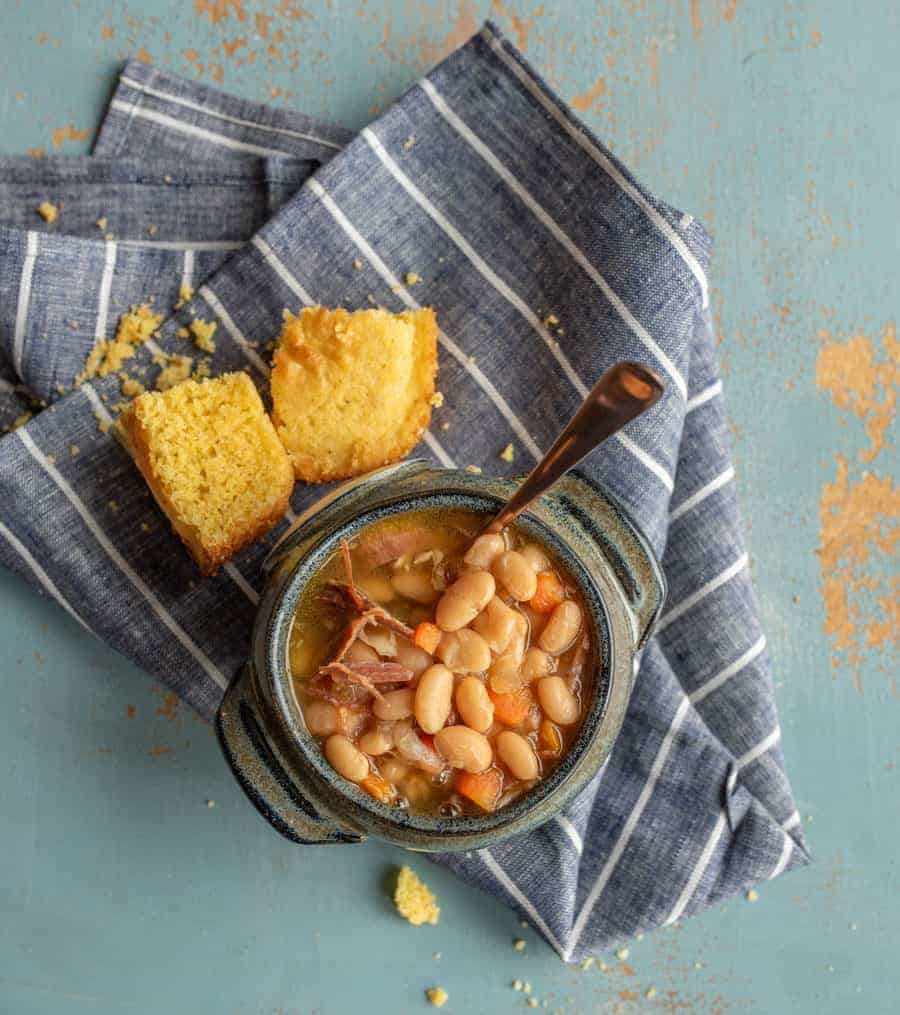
[[512, 708], [427, 636], [550, 593], [483, 788], [377, 786], [549, 739]]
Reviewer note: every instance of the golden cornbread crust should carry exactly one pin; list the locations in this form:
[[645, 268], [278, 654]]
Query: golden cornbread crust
[[352, 391], [212, 460]]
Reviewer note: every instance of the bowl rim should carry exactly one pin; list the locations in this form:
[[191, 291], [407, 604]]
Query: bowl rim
[[364, 809]]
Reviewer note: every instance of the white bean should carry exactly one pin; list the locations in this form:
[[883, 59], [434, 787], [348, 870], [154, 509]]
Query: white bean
[[375, 742], [464, 651], [515, 574], [464, 600], [376, 587], [557, 701], [415, 585], [536, 664], [518, 755], [321, 718], [485, 550], [496, 624], [505, 673], [393, 769], [464, 748], [562, 628], [395, 704], [474, 705], [434, 697], [536, 557], [345, 759], [411, 656]]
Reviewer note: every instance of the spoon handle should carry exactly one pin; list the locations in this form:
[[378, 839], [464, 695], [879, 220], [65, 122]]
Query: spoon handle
[[622, 393]]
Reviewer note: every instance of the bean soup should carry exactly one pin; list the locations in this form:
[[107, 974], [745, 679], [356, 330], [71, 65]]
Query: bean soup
[[442, 670]]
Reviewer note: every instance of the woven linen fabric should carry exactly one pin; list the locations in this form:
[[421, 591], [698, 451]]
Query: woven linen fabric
[[546, 262]]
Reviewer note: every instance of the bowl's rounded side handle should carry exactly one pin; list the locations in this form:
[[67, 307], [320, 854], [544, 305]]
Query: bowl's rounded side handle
[[261, 775], [625, 548]]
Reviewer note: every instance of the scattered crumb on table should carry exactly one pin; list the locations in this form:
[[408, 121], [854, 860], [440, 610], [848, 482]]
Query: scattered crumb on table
[[48, 211], [414, 900]]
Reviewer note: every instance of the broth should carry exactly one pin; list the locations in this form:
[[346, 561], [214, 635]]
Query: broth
[[441, 670]]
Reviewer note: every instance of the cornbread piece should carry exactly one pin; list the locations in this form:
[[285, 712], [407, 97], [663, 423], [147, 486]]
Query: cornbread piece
[[213, 462], [48, 212], [414, 900], [352, 391], [437, 996]]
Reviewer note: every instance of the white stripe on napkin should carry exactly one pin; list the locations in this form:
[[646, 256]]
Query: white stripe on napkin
[[756, 752], [106, 281], [233, 330], [702, 397], [39, 573], [696, 498], [24, 301], [729, 671], [691, 601], [609, 167], [100, 536], [197, 107], [541, 214], [699, 869]]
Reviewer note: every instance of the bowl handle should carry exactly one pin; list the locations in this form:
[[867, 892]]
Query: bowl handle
[[261, 774], [625, 547]]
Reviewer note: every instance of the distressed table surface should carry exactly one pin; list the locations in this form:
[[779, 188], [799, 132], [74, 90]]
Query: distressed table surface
[[776, 124]]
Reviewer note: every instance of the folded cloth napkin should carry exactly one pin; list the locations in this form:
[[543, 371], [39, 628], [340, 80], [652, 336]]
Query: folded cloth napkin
[[546, 262]]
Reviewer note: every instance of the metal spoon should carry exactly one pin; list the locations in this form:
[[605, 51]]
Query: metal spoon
[[624, 392]]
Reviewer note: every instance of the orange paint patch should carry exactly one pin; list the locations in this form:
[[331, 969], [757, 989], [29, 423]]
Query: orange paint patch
[[858, 522], [521, 26], [593, 98], [158, 750], [653, 63], [39, 152], [292, 10], [696, 20], [729, 9], [261, 22], [218, 10], [815, 38], [144, 56], [68, 133], [169, 706], [858, 384], [106, 32], [217, 71], [131, 711], [231, 46]]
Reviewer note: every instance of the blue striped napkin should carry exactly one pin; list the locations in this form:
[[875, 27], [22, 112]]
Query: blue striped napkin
[[546, 262]]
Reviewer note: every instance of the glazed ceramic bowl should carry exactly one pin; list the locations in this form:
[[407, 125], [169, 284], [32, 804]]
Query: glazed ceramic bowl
[[260, 725]]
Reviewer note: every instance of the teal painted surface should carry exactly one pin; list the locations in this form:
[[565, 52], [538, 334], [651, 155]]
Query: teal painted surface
[[776, 124]]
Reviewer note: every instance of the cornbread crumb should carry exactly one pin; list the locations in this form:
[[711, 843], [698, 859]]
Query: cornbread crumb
[[210, 804], [437, 996], [212, 460], [201, 370], [519, 945], [109, 237], [414, 900], [135, 327], [21, 420], [101, 223], [411, 277], [175, 369], [508, 453], [650, 993], [474, 469], [145, 527], [550, 320], [445, 425], [753, 895], [185, 294], [409, 142], [587, 963], [51, 459], [103, 425], [527, 987], [352, 391], [203, 332], [437, 399], [74, 450], [517, 985], [357, 264], [152, 230], [183, 333], [49, 212], [130, 387], [622, 954], [113, 506], [532, 1002], [698, 965]]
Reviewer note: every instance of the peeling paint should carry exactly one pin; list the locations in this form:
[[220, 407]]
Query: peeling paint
[[521, 26], [68, 133], [219, 10], [593, 98]]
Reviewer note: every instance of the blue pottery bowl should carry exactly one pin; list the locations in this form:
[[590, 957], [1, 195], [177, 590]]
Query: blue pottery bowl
[[260, 726]]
